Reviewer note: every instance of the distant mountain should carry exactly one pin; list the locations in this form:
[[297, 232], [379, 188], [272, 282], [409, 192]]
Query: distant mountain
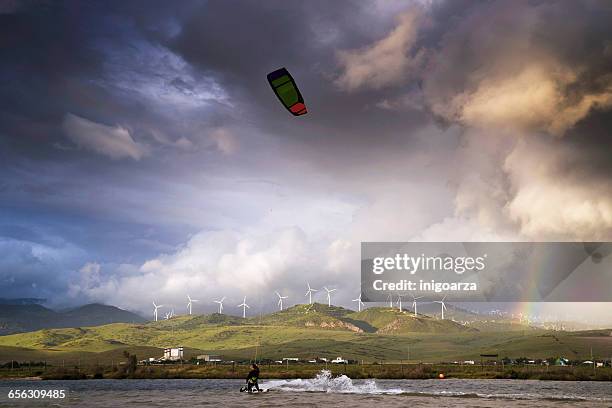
[[25, 317], [22, 301], [96, 314]]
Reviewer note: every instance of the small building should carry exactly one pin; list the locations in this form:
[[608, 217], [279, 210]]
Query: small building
[[209, 358], [173, 354]]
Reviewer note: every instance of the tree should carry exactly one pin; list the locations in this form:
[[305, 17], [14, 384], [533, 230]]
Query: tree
[[131, 363]]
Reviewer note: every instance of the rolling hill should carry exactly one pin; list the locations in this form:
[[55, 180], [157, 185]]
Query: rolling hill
[[374, 334], [385, 320], [315, 316]]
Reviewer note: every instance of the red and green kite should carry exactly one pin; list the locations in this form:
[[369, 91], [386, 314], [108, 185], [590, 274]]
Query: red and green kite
[[284, 87]]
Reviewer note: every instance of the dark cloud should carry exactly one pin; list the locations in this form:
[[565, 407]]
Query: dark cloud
[[497, 41], [264, 37]]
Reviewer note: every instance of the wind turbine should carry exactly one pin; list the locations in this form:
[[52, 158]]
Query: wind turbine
[[220, 302], [399, 302], [155, 311], [168, 315], [390, 299], [359, 303], [309, 293], [244, 307], [280, 300], [329, 291], [189, 304], [414, 304], [443, 306]]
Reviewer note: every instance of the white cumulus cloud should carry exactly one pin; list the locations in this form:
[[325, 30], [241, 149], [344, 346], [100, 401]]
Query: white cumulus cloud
[[386, 62], [553, 197], [115, 142], [533, 98]]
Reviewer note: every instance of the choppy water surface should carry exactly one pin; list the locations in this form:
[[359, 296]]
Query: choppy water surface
[[323, 391]]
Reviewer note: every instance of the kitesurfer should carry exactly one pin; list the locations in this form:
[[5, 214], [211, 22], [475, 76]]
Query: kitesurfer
[[252, 379]]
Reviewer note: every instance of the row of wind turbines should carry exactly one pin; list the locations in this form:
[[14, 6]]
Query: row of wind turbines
[[309, 293], [171, 314], [414, 303]]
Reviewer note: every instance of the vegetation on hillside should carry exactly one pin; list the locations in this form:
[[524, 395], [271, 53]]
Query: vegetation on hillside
[[306, 332]]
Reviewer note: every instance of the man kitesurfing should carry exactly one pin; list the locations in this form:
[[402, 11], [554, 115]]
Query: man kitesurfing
[[252, 379]]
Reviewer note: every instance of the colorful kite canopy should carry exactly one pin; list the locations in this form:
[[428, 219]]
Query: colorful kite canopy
[[284, 87]]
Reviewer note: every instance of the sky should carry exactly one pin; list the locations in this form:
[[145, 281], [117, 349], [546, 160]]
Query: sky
[[144, 157]]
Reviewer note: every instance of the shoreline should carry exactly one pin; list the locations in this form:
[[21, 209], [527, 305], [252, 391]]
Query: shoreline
[[276, 372]]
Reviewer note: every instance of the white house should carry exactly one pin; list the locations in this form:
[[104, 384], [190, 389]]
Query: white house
[[339, 360], [173, 354], [209, 358]]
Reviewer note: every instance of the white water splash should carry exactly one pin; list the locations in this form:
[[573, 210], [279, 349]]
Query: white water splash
[[504, 390], [325, 382]]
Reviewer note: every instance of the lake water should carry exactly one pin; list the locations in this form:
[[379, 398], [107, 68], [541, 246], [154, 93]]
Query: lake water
[[321, 391]]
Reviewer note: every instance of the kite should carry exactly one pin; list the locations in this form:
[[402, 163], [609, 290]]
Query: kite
[[284, 87]]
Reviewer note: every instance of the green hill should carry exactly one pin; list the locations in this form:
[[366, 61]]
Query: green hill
[[377, 317], [315, 316], [385, 320], [303, 331], [499, 325], [191, 322]]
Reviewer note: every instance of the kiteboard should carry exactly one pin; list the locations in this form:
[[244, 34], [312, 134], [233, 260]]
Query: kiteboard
[[261, 390]]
